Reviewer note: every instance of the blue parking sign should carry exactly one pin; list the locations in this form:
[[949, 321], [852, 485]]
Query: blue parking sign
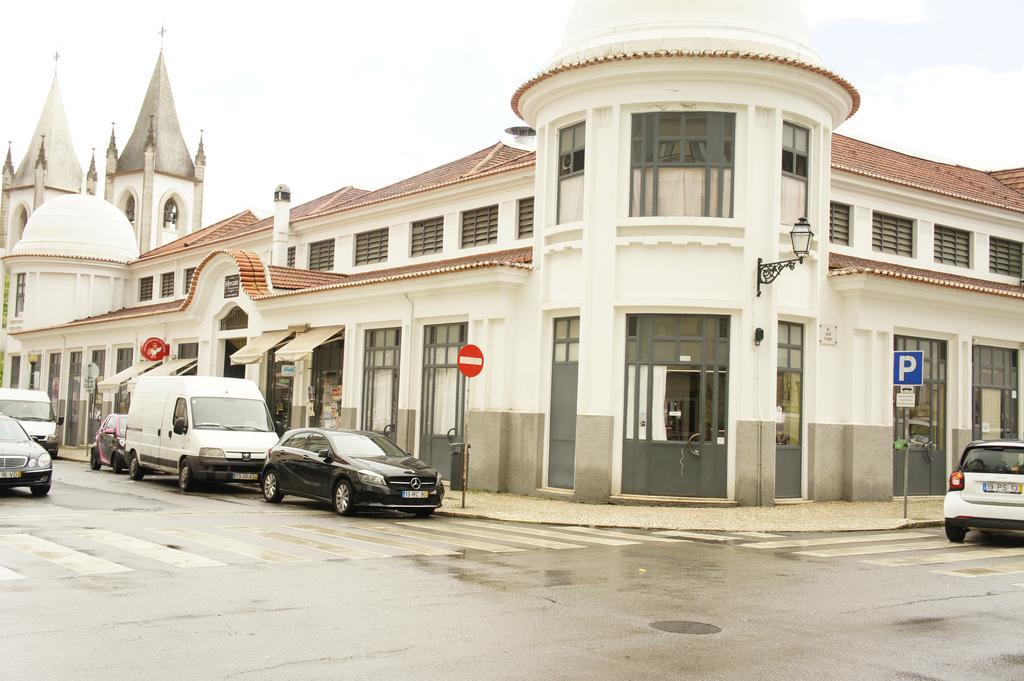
[[908, 367]]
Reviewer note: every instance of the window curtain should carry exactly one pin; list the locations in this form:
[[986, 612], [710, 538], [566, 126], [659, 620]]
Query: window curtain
[[794, 199], [380, 414], [446, 399], [658, 406], [570, 199], [680, 191]]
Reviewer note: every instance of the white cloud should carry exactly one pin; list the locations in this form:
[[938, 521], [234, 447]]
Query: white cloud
[[877, 11], [958, 114]]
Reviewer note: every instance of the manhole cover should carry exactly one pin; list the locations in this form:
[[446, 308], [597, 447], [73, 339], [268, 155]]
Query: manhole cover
[[692, 628]]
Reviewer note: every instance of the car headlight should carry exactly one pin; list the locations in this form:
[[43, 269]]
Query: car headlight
[[214, 452], [51, 438], [43, 460], [371, 478]]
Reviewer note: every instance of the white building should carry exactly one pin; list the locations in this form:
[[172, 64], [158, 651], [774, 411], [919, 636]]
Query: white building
[[611, 278]]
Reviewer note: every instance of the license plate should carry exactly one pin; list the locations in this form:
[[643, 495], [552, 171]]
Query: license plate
[[245, 476], [415, 494], [1002, 487], [10, 474]]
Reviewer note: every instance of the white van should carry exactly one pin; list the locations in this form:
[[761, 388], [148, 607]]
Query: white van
[[198, 428], [34, 411]]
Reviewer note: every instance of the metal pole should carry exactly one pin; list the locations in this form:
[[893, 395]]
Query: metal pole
[[906, 462], [465, 446]]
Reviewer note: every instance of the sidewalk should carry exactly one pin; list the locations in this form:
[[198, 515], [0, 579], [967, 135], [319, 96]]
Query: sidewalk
[[828, 516], [80, 454]]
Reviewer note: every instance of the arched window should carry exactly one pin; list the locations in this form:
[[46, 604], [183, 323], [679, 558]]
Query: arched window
[[19, 228], [171, 215], [235, 319], [129, 209]]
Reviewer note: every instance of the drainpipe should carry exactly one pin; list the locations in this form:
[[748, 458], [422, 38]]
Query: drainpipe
[[408, 384]]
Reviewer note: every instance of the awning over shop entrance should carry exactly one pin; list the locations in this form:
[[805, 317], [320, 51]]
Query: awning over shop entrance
[[114, 383], [257, 347], [302, 345], [171, 367]]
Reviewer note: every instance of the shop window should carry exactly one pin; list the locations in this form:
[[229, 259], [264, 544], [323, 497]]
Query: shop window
[[235, 319], [321, 255], [15, 381], [191, 350], [1004, 257], [167, 284], [327, 380], [53, 381], [525, 211], [788, 389], [19, 296], [682, 164], [125, 357], [231, 283], [795, 154], [187, 283], [892, 234], [145, 289], [291, 256], [952, 246], [572, 160], [480, 226], [427, 236], [839, 223], [371, 247]]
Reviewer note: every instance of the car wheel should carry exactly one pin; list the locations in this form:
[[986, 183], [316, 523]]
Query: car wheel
[[271, 489], [117, 463], [94, 459], [135, 471], [343, 498], [954, 533], [40, 490], [186, 480], [423, 512]]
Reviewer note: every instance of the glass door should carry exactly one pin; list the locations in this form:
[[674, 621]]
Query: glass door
[[994, 393], [927, 423], [380, 381], [444, 394]]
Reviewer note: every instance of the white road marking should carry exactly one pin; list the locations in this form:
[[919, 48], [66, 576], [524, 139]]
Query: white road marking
[[500, 536], [985, 571], [698, 536], [952, 557], [372, 538], [232, 546], [158, 552], [883, 548], [759, 535], [9, 575], [77, 561], [352, 552], [639, 536], [824, 541], [544, 533], [428, 535]]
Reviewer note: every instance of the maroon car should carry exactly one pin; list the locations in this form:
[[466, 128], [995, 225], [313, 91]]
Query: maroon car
[[108, 449]]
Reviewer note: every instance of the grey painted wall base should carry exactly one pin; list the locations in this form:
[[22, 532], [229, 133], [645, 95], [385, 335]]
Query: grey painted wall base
[[593, 458], [852, 462], [406, 438], [960, 440], [755, 463], [505, 451], [825, 447]]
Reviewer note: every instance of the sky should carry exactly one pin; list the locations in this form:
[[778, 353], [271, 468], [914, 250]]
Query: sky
[[321, 95]]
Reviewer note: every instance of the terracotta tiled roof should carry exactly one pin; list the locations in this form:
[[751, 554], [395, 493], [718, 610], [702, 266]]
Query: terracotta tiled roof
[[128, 313], [494, 159], [843, 265], [290, 279], [688, 54], [1012, 178], [869, 160], [517, 258]]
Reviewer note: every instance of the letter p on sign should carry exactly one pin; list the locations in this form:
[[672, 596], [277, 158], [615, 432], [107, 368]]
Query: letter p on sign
[[908, 367]]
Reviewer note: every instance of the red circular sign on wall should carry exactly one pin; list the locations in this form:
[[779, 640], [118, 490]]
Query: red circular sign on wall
[[154, 349], [471, 361]]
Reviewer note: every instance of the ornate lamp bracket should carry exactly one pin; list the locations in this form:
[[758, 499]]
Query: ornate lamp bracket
[[767, 272]]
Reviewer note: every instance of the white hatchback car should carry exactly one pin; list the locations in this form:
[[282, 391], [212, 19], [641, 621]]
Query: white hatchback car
[[986, 491]]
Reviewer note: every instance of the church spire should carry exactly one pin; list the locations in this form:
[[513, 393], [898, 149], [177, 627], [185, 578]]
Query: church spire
[[91, 176], [8, 163], [158, 125], [57, 153]]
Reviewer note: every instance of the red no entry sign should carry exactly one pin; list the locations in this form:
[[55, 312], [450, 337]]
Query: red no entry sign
[[471, 361]]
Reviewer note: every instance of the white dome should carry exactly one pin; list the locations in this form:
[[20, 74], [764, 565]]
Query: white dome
[[79, 226], [597, 28]]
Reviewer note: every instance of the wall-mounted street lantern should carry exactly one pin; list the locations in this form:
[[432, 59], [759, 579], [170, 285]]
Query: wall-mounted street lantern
[[801, 236]]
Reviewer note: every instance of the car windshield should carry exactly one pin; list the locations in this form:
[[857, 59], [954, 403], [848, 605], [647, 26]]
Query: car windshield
[[231, 413], [360, 446], [11, 431], [1004, 461], [25, 410]]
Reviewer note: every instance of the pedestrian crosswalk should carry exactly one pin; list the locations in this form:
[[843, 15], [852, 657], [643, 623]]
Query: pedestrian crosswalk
[[97, 552]]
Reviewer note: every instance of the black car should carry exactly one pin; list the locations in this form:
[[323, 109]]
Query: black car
[[23, 462], [350, 469]]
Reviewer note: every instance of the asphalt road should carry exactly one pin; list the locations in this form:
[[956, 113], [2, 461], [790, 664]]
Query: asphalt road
[[110, 579]]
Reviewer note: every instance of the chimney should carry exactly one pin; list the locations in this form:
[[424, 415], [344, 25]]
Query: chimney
[[282, 216], [523, 137]]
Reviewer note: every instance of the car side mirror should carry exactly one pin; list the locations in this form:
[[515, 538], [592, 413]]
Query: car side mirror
[[108, 431], [60, 420], [279, 428], [180, 426]]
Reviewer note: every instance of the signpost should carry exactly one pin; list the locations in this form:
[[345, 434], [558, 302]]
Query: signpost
[[907, 373], [470, 362]]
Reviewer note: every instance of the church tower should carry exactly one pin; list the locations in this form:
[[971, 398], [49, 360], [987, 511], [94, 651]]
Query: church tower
[[154, 180], [49, 168]]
